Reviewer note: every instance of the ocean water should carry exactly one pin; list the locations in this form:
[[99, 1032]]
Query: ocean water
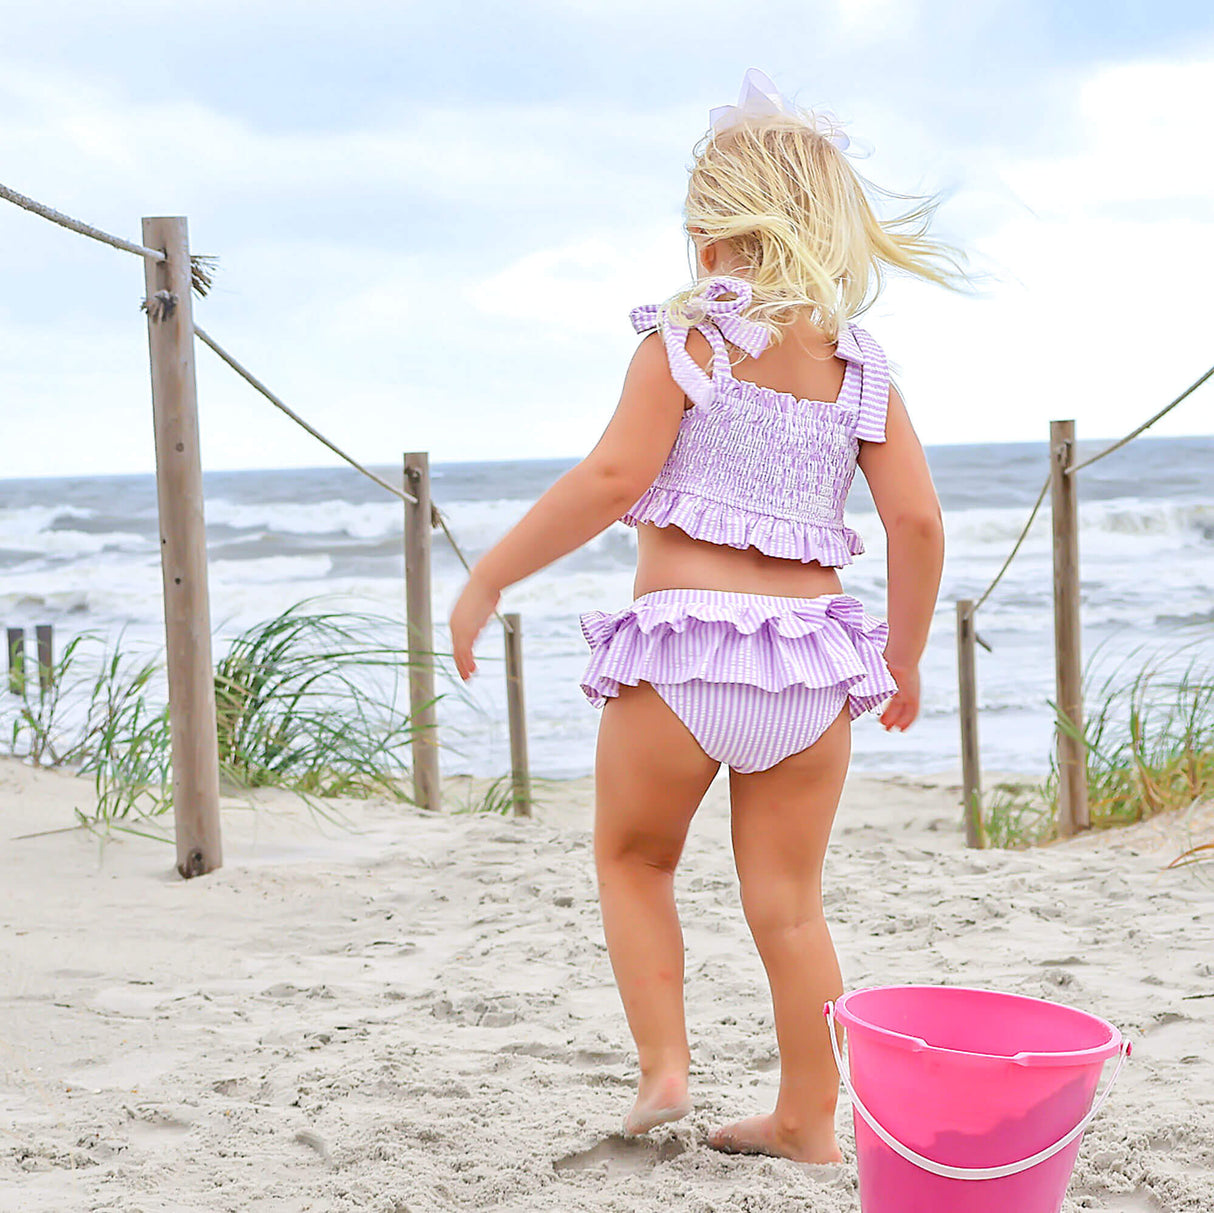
[[82, 554]]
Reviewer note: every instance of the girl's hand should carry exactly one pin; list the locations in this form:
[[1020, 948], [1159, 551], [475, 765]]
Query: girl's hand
[[469, 615], [904, 706]]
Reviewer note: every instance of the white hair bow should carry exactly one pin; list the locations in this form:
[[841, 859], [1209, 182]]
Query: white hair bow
[[760, 98]]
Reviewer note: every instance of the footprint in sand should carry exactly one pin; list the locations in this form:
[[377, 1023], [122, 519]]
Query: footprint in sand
[[623, 1155]]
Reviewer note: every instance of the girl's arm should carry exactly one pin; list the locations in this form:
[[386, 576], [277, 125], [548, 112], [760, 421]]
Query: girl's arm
[[585, 500], [902, 490]]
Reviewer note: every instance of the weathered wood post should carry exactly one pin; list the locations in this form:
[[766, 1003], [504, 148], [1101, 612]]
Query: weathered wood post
[[46, 655], [971, 775], [520, 776], [1072, 755], [419, 523], [183, 548], [16, 660]]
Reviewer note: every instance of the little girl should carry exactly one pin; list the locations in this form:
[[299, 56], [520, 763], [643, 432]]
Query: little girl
[[744, 414]]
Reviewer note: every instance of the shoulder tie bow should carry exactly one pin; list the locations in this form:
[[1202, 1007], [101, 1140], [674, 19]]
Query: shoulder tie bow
[[718, 318], [723, 318]]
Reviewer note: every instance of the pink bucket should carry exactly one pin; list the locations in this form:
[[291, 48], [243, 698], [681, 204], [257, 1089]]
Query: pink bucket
[[968, 1101]]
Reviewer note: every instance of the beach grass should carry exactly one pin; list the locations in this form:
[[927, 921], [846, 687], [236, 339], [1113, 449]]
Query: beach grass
[[309, 701], [35, 730], [312, 701], [119, 737], [1202, 853], [494, 796], [1148, 736]]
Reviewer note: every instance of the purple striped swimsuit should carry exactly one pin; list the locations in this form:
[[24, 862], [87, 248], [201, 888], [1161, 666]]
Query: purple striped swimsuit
[[754, 677]]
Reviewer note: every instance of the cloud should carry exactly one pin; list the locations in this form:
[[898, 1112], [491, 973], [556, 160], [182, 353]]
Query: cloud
[[860, 21], [1141, 134], [451, 262], [588, 285], [471, 156]]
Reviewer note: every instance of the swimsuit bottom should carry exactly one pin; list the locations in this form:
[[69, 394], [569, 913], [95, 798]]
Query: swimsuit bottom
[[754, 677]]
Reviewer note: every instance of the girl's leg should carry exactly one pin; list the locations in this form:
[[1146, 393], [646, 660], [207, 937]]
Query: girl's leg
[[650, 776], [782, 819]]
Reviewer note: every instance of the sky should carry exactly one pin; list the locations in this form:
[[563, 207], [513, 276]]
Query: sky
[[432, 219]]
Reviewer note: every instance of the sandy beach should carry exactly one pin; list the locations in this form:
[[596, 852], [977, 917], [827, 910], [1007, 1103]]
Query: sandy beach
[[417, 1013]]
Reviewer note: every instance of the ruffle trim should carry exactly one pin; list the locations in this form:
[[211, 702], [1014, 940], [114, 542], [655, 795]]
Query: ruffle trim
[[817, 642], [759, 399], [717, 522]]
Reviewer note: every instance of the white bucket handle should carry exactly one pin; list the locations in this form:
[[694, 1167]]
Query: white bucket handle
[[942, 1169]]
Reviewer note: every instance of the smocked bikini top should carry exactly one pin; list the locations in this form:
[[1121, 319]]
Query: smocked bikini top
[[752, 466]]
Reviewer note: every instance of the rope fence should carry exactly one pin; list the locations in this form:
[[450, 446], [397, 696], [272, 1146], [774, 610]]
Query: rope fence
[[74, 225], [1074, 467], [253, 381], [172, 275], [1149, 422], [177, 274], [1074, 809], [201, 280], [201, 268], [1012, 553], [436, 516]]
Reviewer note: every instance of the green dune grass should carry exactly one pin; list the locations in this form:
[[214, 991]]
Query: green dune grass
[[1149, 740], [313, 701]]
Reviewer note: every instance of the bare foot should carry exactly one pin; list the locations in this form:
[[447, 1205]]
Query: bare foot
[[762, 1135], [659, 1099]]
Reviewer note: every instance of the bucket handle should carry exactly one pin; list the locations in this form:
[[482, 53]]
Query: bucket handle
[[942, 1169]]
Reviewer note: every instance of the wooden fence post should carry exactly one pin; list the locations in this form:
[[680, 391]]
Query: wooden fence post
[[520, 776], [1072, 755], [419, 523], [183, 549], [971, 775], [16, 660], [46, 655]]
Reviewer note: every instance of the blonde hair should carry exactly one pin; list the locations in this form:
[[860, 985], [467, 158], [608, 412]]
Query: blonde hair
[[789, 203]]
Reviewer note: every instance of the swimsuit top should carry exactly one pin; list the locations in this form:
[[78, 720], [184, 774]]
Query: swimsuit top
[[752, 466]]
